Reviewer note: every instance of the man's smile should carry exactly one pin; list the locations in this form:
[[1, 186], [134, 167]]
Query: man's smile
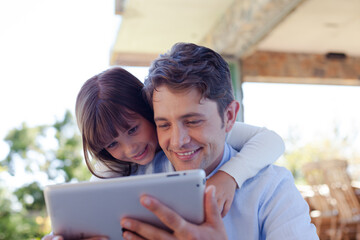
[[187, 155]]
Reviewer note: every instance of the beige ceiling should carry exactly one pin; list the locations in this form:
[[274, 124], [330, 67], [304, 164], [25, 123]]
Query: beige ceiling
[[318, 26], [235, 27], [150, 26]]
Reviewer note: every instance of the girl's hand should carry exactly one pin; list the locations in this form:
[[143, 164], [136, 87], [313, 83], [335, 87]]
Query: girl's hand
[[58, 237], [52, 237], [225, 190]]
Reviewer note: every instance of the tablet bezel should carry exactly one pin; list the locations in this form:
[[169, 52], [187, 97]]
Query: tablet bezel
[[85, 209]]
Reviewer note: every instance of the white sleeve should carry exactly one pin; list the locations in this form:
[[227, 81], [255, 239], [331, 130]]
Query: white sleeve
[[258, 147], [94, 178], [103, 171]]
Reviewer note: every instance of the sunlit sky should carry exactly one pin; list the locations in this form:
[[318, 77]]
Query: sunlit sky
[[48, 48]]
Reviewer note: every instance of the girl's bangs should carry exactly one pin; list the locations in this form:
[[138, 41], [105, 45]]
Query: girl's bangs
[[108, 120]]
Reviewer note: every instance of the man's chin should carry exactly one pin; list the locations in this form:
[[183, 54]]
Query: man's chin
[[182, 166]]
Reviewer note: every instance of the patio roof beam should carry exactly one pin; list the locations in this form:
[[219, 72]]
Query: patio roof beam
[[245, 23]]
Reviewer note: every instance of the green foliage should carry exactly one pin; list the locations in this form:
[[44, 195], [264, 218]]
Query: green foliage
[[31, 197], [21, 141], [336, 146], [17, 224], [69, 154], [53, 150], [7, 226]]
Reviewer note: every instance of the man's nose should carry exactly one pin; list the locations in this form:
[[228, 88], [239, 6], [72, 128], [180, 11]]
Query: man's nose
[[179, 137]]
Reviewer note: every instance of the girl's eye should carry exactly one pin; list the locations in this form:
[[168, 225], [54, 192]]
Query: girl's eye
[[133, 130], [111, 145]]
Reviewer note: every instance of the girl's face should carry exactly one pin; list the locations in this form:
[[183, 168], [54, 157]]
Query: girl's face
[[138, 144]]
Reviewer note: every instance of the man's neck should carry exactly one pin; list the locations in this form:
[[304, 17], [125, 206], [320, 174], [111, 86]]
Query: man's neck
[[216, 163], [227, 154]]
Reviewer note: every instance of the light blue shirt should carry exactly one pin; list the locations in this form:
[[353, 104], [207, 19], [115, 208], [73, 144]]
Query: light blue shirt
[[267, 206], [159, 164]]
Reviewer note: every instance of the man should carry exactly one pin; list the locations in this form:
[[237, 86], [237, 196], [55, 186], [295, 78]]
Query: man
[[191, 94]]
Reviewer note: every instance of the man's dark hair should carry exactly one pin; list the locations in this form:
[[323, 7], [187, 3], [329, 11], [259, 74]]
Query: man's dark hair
[[187, 66]]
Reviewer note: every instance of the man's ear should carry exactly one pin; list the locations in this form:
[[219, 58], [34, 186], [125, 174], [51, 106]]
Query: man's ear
[[230, 115]]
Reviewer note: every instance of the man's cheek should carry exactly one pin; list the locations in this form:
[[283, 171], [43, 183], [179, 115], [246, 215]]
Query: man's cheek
[[161, 138]]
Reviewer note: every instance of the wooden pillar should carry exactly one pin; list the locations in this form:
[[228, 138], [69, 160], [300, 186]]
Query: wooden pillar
[[236, 78]]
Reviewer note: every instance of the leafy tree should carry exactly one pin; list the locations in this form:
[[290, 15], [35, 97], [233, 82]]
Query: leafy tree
[[336, 146], [7, 223], [31, 197], [51, 150]]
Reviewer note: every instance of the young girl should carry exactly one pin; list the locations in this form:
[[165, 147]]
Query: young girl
[[119, 136]]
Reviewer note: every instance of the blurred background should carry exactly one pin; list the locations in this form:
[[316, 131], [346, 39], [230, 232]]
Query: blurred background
[[295, 66]]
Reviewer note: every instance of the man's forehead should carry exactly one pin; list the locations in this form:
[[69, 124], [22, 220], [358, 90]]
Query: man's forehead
[[162, 92], [176, 105]]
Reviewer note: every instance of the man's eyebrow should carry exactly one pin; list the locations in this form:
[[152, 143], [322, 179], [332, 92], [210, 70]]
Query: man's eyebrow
[[188, 115], [160, 119], [192, 114]]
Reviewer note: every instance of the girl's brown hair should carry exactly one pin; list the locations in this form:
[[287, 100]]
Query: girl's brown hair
[[104, 105]]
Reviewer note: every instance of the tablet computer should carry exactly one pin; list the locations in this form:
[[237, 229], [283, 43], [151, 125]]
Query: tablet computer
[[86, 209]]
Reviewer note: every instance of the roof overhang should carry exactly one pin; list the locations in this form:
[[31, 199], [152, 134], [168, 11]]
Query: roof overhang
[[149, 28], [235, 28]]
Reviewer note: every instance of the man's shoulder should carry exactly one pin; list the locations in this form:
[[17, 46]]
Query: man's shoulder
[[272, 185], [270, 178], [271, 171], [275, 170]]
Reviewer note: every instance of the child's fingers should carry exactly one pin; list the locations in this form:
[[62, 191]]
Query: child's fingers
[[220, 200], [220, 205], [226, 208], [212, 213], [52, 237]]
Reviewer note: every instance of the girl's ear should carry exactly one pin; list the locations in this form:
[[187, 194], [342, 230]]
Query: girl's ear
[[230, 115]]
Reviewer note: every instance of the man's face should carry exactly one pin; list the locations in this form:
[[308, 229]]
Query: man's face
[[189, 129]]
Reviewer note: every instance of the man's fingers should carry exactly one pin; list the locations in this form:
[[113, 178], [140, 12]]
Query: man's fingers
[[96, 238], [140, 230], [133, 236], [170, 218]]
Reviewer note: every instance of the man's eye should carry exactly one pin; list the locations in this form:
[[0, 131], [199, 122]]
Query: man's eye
[[193, 123], [133, 130], [164, 125]]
